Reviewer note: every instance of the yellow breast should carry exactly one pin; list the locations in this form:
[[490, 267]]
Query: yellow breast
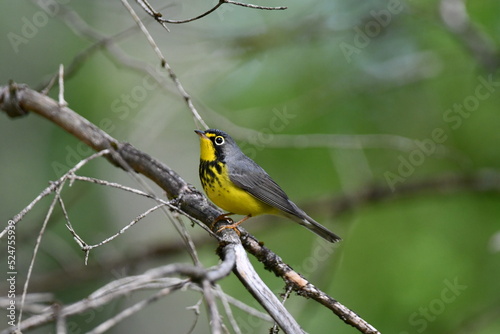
[[222, 191]]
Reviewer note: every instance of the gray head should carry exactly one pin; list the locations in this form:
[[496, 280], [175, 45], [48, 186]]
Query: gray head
[[217, 145]]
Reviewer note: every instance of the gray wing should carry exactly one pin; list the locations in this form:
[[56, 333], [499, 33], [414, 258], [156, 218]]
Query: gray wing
[[251, 177]]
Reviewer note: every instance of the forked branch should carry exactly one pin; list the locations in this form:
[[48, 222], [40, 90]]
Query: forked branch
[[18, 100], [159, 16]]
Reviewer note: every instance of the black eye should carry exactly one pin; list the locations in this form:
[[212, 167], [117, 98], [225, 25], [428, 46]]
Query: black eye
[[219, 140]]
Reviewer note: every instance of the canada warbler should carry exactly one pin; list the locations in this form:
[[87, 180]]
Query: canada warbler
[[237, 184]]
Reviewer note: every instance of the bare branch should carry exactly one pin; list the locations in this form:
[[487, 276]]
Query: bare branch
[[164, 64], [211, 10], [87, 248], [126, 285], [76, 23], [247, 5], [259, 290], [196, 309], [83, 305], [159, 16], [169, 204], [215, 320], [151, 12], [189, 200], [227, 309], [145, 31], [33, 257], [53, 186], [128, 312], [303, 287], [62, 102], [284, 296]]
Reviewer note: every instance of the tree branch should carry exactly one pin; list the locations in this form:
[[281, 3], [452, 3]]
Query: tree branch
[[18, 100], [263, 294], [303, 287], [159, 16]]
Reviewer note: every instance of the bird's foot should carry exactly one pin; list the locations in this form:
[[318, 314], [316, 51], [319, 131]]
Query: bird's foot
[[234, 226], [231, 226], [224, 216]]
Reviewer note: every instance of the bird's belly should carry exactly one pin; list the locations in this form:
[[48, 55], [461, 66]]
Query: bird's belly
[[235, 200]]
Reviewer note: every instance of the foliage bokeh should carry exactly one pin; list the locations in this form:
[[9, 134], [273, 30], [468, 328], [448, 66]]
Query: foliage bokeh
[[279, 73]]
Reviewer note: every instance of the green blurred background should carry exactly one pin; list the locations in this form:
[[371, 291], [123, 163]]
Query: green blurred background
[[423, 261]]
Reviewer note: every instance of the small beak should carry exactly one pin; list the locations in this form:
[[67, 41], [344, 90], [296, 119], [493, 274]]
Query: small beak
[[201, 134]]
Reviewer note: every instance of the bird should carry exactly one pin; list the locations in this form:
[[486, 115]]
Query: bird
[[238, 185]]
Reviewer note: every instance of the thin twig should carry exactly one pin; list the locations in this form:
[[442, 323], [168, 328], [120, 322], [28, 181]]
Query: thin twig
[[129, 311], [196, 309], [227, 308], [245, 308], [74, 21], [94, 301], [44, 225], [159, 16], [52, 187], [164, 64], [178, 223], [303, 286], [136, 192], [33, 257], [151, 279], [62, 102], [21, 100], [211, 10], [61, 325], [76, 237], [88, 248], [247, 5], [254, 284], [145, 31], [117, 186], [73, 274], [150, 11], [213, 311], [284, 297]]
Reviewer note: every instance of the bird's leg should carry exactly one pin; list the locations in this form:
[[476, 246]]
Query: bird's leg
[[234, 225], [224, 216]]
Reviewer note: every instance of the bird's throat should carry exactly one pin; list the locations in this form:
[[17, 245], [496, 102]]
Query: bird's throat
[[207, 150]]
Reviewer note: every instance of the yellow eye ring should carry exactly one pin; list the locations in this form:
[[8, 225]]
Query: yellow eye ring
[[219, 140]]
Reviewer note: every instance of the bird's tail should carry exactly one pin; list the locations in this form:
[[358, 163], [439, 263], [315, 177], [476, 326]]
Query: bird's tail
[[315, 227], [320, 230]]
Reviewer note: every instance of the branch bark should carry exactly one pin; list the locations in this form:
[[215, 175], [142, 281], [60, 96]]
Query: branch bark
[[303, 287]]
